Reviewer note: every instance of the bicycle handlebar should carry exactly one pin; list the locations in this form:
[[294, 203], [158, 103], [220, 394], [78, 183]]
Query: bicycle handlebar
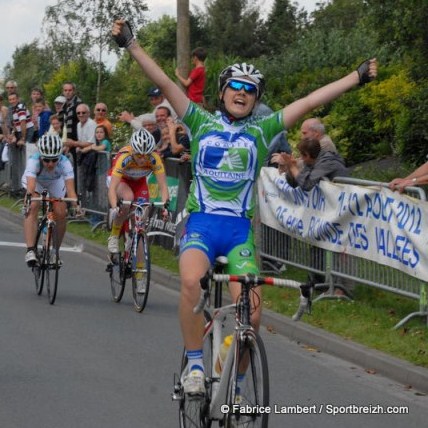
[[255, 280]]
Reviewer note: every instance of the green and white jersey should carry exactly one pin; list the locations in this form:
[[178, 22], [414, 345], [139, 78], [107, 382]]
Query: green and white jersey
[[226, 160]]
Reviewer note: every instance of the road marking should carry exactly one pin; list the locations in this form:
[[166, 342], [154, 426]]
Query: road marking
[[74, 249]]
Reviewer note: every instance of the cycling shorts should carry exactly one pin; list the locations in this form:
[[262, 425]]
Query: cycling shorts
[[218, 235], [139, 188]]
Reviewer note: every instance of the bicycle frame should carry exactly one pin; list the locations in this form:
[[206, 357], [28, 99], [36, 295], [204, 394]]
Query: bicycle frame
[[222, 389]]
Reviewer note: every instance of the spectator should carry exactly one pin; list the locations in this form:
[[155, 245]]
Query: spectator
[[23, 127], [59, 102], [70, 106], [157, 100], [43, 113], [100, 117], [318, 164], [162, 113], [85, 129], [36, 95], [11, 87], [56, 128], [195, 83], [178, 138], [4, 133], [70, 118], [90, 157], [163, 148], [314, 128], [417, 178], [4, 113]]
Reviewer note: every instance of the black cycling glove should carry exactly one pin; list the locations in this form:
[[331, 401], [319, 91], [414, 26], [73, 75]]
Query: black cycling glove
[[126, 36], [363, 73]]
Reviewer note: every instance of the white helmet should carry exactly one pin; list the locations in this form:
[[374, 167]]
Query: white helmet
[[50, 146], [142, 142], [242, 71]]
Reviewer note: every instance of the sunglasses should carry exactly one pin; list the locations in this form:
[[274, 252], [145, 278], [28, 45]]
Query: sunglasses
[[80, 113], [102, 109], [49, 160], [237, 85]]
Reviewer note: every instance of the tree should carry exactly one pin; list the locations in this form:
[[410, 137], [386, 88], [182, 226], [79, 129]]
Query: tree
[[233, 27], [282, 26], [32, 66], [81, 28]]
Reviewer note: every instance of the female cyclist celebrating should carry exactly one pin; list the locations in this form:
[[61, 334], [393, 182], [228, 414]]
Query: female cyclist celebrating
[[228, 149]]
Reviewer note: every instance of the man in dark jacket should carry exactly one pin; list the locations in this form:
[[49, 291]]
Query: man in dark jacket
[[317, 164]]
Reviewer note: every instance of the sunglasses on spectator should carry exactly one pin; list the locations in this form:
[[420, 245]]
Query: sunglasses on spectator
[[49, 160], [237, 85], [79, 113], [101, 109]]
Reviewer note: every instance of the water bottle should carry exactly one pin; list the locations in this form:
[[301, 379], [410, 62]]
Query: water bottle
[[224, 349]]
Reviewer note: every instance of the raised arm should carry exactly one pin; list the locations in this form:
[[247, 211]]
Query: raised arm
[[365, 73], [122, 33]]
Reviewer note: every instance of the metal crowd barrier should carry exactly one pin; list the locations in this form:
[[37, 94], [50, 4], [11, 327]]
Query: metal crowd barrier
[[10, 176], [339, 269], [95, 201]]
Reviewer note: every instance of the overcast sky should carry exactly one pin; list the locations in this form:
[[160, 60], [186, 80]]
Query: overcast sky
[[22, 19]]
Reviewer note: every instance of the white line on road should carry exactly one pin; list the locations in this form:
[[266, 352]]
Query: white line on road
[[74, 249]]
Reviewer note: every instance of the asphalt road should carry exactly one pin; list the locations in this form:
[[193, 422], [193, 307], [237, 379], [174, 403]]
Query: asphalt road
[[88, 362]]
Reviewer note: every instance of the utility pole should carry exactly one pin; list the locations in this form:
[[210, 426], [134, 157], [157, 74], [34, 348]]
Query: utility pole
[[183, 37]]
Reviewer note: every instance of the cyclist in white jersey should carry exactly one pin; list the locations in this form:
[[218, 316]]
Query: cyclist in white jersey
[[48, 169], [228, 149]]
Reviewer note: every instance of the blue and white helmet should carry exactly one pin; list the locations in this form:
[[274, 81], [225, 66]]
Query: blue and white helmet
[[244, 71], [50, 146]]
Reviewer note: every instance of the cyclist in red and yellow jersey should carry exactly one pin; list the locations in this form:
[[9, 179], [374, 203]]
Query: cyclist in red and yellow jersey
[[127, 179]]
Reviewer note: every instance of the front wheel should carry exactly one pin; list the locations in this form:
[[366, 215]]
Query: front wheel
[[248, 383], [140, 262], [117, 270], [38, 268], [194, 411], [52, 263]]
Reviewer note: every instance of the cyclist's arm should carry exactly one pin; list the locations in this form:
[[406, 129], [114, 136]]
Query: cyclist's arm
[[172, 92], [31, 185], [112, 190], [70, 190], [294, 111], [163, 187]]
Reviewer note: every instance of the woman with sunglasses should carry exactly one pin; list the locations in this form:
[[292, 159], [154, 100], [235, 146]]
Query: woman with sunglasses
[[228, 149], [51, 170]]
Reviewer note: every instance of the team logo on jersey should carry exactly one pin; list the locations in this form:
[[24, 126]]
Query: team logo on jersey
[[245, 252], [227, 157]]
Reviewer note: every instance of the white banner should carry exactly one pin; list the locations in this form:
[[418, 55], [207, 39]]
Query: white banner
[[369, 222]]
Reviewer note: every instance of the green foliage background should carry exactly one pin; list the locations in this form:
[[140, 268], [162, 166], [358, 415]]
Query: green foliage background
[[296, 51]]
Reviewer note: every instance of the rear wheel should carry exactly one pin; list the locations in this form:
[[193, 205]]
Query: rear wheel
[[194, 410], [252, 389], [140, 262], [52, 264]]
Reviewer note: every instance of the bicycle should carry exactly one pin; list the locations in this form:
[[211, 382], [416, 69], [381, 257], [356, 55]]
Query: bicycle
[[237, 395], [134, 261], [46, 268]]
